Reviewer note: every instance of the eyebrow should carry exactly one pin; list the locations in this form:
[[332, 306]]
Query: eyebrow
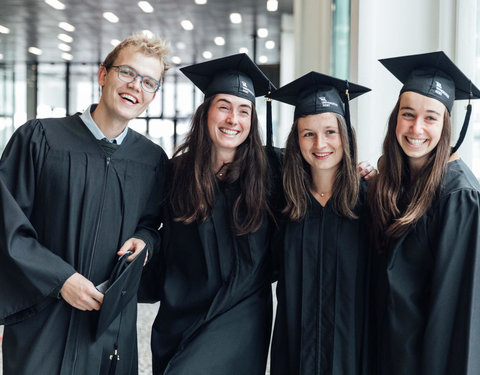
[[428, 110], [229, 102]]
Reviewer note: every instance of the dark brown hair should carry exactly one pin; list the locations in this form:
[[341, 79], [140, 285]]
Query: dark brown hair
[[297, 178], [395, 200], [194, 181]]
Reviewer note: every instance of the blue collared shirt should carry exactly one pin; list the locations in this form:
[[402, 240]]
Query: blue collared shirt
[[93, 127]]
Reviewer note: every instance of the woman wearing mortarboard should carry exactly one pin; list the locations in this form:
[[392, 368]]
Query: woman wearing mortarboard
[[212, 274], [322, 270], [425, 210]]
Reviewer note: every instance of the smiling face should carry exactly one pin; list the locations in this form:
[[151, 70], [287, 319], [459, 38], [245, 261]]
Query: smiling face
[[419, 126], [320, 141], [229, 121], [122, 101]]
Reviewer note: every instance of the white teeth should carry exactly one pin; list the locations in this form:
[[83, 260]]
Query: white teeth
[[322, 155], [129, 97], [229, 132], [415, 142]]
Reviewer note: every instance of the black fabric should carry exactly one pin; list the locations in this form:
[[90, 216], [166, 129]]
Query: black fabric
[[122, 287], [315, 93], [434, 75], [65, 207], [108, 147], [322, 292], [235, 74], [215, 293], [428, 289]]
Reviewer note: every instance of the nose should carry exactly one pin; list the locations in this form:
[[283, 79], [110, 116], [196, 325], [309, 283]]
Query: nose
[[136, 83], [232, 118], [417, 126], [319, 141]]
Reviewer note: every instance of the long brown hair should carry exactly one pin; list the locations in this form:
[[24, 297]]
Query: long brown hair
[[297, 178], [194, 183], [395, 201]]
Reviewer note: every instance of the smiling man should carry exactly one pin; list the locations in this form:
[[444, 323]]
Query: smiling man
[[75, 193]]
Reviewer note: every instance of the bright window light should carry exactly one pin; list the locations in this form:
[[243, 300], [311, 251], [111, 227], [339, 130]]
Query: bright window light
[[262, 32], [64, 47], [187, 25], [243, 50], [67, 56], [263, 59], [114, 42], [200, 2], [66, 26], [145, 6], [110, 17], [272, 5], [207, 55], [65, 38], [55, 4], [4, 30], [35, 51], [219, 41], [269, 44], [148, 34], [176, 60], [235, 18]]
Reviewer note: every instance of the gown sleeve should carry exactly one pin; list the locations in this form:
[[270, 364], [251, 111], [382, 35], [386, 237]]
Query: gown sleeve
[[151, 220], [30, 274], [452, 331]]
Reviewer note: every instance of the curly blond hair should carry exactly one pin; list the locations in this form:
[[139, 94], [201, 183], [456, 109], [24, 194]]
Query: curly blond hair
[[150, 46]]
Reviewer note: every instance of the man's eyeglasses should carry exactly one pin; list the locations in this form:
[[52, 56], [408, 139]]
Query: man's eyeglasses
[[128, 74]]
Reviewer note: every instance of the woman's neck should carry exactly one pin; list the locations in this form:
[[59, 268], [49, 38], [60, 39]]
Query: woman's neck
[[322, 185], [222, 158]]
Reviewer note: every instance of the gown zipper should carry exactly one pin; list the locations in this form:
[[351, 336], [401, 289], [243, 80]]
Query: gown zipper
[[97, 227]]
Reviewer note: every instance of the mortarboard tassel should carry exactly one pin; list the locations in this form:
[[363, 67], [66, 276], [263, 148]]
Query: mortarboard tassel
[[463, 131], [347, 120], [269, 119], [114, 358]]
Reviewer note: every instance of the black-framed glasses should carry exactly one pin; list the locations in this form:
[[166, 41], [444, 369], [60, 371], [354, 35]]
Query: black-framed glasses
[[128, 74]]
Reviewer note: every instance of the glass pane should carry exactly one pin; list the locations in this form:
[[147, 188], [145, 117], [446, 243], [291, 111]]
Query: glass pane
[[51, 90], [7, 103], [161, 132], [84, 88], [341, 39]]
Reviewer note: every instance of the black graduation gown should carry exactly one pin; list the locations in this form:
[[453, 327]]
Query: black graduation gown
[[214, 287], [321, 291], [429, 321], [66, 207]]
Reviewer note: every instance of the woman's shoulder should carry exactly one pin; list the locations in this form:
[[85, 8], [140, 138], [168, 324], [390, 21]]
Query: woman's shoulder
[[459, 178]]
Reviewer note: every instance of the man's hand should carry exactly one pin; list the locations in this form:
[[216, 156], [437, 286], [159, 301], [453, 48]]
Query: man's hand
[[80, 293], [366, 170], [133, 244]]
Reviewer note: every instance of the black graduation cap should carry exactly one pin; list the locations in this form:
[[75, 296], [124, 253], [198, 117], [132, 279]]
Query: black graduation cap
[[319, 93], [122, 287], [436, 76], [236, 75]]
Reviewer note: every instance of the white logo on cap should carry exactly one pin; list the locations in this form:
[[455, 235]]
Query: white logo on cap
[[246, 89], [440, 91], [326, 103]]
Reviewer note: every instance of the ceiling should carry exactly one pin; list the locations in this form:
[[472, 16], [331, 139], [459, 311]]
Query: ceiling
[[35, 23]]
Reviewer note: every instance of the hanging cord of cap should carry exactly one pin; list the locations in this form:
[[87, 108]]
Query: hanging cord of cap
[[464, 129], [347, 120], [269, 118]]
